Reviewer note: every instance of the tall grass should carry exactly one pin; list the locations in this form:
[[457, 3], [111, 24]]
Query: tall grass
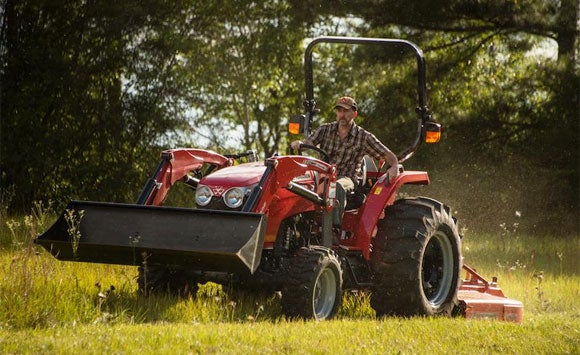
[[542, 272], [38, 292]]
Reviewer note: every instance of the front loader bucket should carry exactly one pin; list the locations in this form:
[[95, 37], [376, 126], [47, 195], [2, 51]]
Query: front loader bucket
[[126, 234]]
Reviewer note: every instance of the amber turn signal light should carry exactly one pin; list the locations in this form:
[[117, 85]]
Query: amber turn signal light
[[296, 124], [294, 128], [432, 132]]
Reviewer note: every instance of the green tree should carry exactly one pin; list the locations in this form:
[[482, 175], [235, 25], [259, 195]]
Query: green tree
[[252, 62], [92, 91], [509, 114], [87, 89]]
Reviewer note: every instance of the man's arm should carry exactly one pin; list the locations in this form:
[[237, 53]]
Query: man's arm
[[313, 139], [377, 149], [393, 162]]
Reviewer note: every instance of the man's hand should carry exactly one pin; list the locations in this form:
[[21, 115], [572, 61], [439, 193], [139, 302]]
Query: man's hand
[[393, 171], [295, 145]]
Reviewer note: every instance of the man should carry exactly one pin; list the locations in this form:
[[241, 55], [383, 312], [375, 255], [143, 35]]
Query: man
[[346, 144]]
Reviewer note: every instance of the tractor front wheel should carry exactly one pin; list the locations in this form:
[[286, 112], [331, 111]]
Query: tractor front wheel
[[416, 260], [313, 287]]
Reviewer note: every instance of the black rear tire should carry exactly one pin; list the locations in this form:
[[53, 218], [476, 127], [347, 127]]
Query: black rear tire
[[313, 288], [416, 260]]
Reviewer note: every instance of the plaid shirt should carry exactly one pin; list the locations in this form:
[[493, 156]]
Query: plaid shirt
[[347, 154]]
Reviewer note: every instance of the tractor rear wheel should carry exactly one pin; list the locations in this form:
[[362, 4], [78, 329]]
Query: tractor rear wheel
[[313, 288], [161, 279], [416, 260]]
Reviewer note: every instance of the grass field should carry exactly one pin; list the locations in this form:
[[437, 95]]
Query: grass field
[[47, 306]]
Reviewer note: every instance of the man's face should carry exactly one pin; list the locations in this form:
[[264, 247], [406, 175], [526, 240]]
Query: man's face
[[344, 116]]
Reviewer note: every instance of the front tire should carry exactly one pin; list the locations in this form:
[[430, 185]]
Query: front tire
[[416, 260], [313, 288]]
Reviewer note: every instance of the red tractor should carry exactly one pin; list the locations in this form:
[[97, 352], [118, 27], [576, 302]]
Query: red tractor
[[269, 225]]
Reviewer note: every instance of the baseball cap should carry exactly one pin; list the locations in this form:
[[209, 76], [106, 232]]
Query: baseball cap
[[346, 102]]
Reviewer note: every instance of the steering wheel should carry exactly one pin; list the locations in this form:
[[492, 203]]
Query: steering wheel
[[325, 157]]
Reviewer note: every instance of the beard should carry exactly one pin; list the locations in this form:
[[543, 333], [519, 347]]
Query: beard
[[343, 122]]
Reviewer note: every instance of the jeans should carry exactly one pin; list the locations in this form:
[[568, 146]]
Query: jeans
[[344, 185]]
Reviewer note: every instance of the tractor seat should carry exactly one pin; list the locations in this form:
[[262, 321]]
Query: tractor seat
[[357, 197]]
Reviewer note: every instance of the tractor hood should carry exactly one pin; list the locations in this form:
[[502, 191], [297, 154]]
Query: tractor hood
[[247, 174]]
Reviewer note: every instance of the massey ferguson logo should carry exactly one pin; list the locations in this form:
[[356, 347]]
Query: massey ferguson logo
[[218, 190]]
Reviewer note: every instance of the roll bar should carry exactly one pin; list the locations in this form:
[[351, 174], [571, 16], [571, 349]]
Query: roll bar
[[424, 121]]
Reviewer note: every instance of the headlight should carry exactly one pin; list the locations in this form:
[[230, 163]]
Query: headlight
[[203, 195], [234, 197]]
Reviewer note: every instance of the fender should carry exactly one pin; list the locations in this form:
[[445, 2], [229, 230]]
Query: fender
[[382, 194]]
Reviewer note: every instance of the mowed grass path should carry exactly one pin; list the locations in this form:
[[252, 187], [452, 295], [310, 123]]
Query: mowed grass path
[[47, 306]]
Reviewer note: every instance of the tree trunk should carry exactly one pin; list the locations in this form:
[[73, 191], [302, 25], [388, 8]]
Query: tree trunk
[[567, 30]]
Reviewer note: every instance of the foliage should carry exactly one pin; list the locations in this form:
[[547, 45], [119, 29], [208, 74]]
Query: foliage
[[502, 82], [91, 91], [252, 59], [87, 90]]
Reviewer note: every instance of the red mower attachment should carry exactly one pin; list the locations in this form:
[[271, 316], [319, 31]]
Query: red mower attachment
[[479, 298]]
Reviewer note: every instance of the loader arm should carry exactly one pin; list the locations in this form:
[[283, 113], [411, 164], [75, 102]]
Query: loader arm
[[175, 166]]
